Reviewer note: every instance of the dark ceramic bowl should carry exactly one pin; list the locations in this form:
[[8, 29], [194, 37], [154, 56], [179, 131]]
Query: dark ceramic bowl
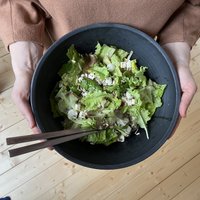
[[148, 53]]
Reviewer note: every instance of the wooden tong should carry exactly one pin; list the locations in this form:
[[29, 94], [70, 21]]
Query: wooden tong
[[56, 137]]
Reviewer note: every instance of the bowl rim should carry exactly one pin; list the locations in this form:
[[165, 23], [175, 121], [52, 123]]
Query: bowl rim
[[175, 116]]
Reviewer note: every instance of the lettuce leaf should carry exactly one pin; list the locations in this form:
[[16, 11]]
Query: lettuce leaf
[[93, 100], [100, 71], [73, 67]]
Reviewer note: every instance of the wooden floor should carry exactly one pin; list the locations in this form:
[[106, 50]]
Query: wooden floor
[[173, 172]]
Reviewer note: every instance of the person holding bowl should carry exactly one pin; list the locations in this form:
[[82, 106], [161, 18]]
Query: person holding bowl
[[26, 23]]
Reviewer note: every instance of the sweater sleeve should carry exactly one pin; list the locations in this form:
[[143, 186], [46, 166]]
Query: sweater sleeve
[[21, 20], [183, 26]]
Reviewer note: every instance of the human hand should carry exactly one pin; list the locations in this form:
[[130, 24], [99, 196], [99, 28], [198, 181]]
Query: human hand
[[179, 52], [24, 57]]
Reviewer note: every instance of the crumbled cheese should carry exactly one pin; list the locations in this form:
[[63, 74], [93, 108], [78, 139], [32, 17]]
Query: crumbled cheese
[[121, 138], [82, 76], [107, 81], [85, 75], [130, 102], [127, 101], [82, 89], [126, 65], [82, 114], [72, 114], [91, 76], [80, 79], [122, 122], [128, 95], [123, 65], [111, 67], [84, 93]]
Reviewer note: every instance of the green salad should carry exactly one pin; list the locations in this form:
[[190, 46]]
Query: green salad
[[105, 90]]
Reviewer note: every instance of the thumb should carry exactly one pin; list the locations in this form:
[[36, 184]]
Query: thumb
[[186, 100]]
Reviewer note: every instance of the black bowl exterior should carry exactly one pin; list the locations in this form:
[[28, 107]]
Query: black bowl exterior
[[148, 53]]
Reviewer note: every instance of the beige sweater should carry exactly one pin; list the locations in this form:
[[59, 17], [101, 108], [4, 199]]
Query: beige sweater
[[170, 20]]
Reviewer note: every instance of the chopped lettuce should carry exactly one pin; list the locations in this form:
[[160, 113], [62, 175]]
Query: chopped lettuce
[[110, 93], [93, 100], [73, 67], [100, 71]]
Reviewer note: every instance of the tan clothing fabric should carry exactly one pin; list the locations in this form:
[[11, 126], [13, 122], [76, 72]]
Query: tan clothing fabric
[[171, 20]]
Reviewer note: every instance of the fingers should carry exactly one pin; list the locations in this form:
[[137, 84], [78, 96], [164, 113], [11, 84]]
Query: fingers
[[187, 96], [25, 109], [36, 130], [21, 100], [20, 96], [179, 52], [188, 87]]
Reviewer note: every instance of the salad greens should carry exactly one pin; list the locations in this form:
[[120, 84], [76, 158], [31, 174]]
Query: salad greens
[[105, 90]]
